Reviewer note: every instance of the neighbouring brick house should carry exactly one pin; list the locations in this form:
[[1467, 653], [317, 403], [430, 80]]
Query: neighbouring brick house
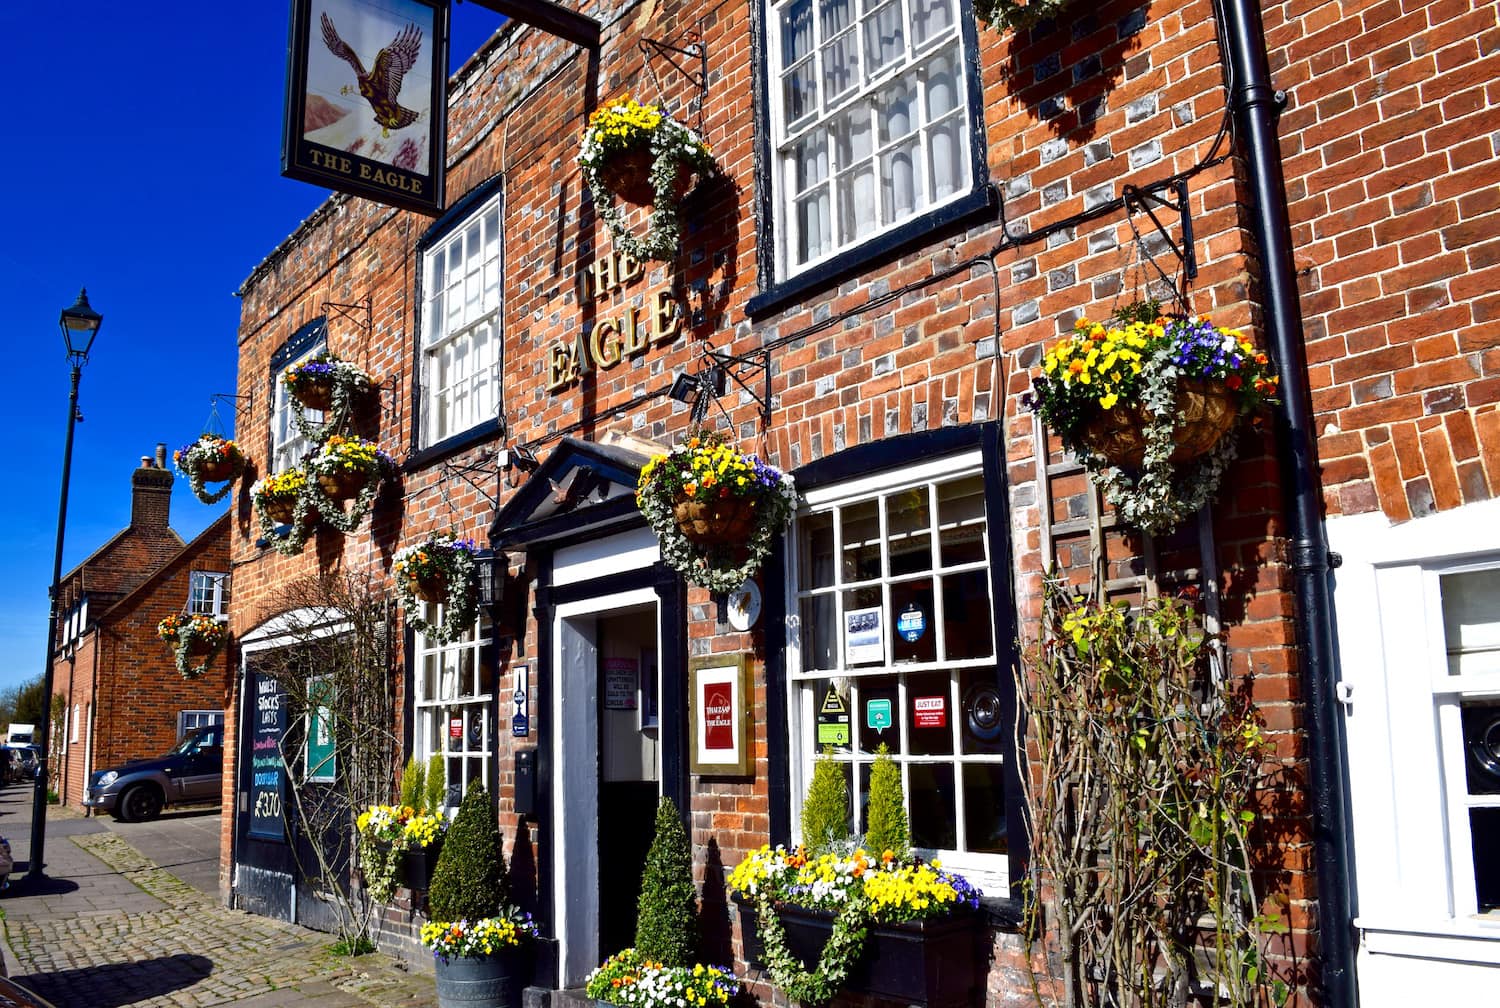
[[115, 679], [905, 216]]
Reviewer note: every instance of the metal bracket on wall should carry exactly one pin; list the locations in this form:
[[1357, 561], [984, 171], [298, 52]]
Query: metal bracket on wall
[[1148, 199], [485, 463], [359, 313], [690, 62], [738, 367]]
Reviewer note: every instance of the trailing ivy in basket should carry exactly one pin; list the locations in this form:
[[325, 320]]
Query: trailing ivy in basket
[[439, 569], [328, 383], [281, 502], [1149, 405], [195, 639], [640, 154], [714, 509], [346, 469], [210, 459]]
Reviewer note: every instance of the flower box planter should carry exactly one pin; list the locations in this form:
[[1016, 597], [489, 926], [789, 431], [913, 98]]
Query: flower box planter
[[1205, 412], [938, 963], [417, 866], [492, 981]]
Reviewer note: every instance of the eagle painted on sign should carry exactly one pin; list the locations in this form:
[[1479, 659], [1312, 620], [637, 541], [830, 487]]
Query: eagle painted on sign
[[381, 86]]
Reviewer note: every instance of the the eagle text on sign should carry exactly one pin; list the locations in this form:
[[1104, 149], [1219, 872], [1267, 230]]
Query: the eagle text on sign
[[613, 340]]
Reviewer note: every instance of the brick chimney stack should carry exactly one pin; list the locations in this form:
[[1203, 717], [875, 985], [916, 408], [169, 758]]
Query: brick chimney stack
[[151, 492]]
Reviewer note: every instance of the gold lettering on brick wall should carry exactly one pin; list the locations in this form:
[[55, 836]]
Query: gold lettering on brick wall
[[616, 339]]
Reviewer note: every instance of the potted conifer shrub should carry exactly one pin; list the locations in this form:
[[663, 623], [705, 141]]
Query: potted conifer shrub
[[875, 921], [476, 935], [422, 835], [660, 970]]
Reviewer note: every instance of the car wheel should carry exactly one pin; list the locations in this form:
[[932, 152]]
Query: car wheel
[[139, 804]]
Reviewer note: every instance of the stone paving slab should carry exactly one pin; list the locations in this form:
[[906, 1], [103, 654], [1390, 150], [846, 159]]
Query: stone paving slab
[[112, 929]]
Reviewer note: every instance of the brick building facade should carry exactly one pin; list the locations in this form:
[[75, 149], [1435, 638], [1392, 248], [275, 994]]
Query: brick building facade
[[894, 313], [113, 676]]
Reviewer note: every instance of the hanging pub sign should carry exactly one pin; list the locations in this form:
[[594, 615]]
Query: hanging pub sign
[[366, 99], [267, 771]]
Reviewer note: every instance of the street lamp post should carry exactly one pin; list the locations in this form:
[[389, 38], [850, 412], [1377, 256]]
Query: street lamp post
[[80, 324]]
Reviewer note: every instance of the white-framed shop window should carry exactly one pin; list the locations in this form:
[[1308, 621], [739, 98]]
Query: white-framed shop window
[[869, 120], [461, 326], [454, 691], [77, 728], [893, 624], [208, 593], [288, 446]]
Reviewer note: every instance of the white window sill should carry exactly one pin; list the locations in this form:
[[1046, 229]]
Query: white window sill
[[1469, 939]]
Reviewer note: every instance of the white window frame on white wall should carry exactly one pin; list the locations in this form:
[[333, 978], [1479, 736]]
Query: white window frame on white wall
[[988, 869], [448, 682], [869, 117], [208, 593], [461, 334]]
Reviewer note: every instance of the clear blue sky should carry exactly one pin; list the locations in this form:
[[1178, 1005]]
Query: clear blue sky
[[142, 160]]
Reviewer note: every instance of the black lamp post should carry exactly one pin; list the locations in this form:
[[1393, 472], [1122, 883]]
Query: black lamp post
[[80, 324]]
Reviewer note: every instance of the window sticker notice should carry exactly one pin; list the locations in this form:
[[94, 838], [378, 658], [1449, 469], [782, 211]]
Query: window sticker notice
[[833, 719], [878, 714], [929, 712]]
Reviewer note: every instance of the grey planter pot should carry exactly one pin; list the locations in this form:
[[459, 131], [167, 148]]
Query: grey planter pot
[[493, 981]]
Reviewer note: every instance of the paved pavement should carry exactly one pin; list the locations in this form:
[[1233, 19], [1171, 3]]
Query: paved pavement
[[111, 927]]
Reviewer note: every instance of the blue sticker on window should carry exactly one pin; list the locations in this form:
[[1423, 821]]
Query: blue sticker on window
[[912, 623]]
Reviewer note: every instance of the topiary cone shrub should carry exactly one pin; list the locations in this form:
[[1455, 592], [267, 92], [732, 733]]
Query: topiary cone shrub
[[412, 781], [470, 881], [825, 813], [666, 929], [435, 790], [886, 826]]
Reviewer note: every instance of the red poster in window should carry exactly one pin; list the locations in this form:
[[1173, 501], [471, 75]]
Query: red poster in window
[[929, 712], [456, 727], [718, 717]]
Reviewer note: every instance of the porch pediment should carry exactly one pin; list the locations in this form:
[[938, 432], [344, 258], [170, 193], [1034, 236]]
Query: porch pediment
[[581, 485]]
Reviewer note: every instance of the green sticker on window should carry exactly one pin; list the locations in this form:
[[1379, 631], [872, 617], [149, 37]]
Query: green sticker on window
[[878, 714]]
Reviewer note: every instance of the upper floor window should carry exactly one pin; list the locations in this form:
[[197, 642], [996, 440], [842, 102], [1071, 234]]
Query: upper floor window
[[209, 594], [288, 446], [460, 350], [870, 120], [893, 644]]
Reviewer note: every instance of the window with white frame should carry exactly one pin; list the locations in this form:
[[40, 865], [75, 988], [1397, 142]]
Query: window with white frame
[[191, 720], [208, 593], [77, 723], [1467, 697], [288, 445], [894, 638], [870, 120], [454, 691], [461, 326]]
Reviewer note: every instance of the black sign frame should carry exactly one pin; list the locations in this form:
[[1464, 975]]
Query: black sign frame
[[420, 188]]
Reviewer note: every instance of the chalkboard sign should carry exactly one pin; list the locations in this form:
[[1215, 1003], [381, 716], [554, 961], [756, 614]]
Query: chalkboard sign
[[267, 722]]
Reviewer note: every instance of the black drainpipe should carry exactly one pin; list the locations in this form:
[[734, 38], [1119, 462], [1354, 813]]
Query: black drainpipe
[[1256, 105]]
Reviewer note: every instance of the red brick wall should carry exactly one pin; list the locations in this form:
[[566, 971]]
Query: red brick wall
[[130, 675], [1393, 172], [1145, 102]]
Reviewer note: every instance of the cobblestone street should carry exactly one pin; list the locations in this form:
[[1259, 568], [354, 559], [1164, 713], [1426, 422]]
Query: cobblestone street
[[109, 928]]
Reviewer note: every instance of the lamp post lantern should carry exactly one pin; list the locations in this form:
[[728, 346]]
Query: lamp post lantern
[[80, 324]]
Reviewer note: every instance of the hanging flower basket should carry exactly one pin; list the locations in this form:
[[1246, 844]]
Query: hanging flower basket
[[346, 470], [1002, 15], [195, 639], [728, 521], [210, 459], [639, 154], [1149, 405], [327, 383], [1204, 413], [281, 506], [439, 569], [714, 509]]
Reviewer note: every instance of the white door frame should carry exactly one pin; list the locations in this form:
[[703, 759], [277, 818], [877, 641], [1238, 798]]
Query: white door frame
[[575, 787]]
